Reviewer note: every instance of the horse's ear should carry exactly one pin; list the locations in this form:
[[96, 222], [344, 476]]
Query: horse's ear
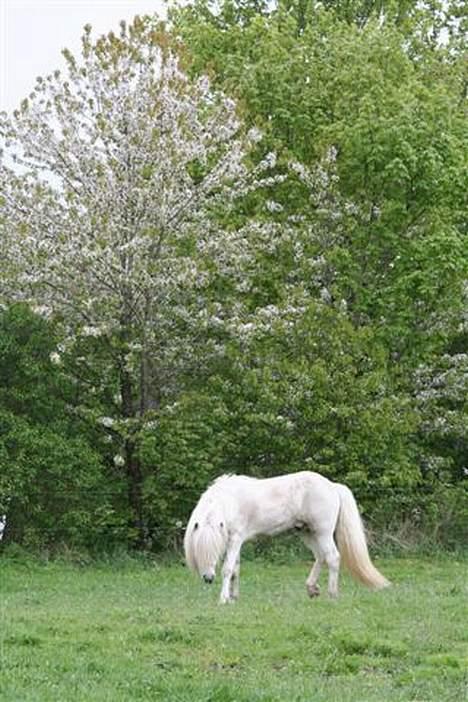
[[195, 526]]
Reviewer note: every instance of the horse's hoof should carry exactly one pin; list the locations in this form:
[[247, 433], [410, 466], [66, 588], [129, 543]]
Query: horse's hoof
[[313, 590]]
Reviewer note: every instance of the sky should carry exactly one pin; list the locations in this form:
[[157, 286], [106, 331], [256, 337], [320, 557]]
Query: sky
[[34, 32]]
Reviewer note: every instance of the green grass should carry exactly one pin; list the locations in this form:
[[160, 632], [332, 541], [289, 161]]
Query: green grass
[[149, 632]]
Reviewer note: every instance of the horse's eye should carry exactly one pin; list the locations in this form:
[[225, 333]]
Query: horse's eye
[[196, 526], [221, 524]]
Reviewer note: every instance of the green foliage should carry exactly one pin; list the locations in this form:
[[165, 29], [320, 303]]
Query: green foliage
[[50, 485], [30, 383], [52, 480], [182, 451]]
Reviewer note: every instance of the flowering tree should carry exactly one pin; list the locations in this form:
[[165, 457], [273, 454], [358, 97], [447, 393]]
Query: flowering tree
[[113, 214]]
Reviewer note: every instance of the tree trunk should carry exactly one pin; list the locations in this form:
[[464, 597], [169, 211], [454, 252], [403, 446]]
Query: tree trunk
[[132, 463], [135, 493]]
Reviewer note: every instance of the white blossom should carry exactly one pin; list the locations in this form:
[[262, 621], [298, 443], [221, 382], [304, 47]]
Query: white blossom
[[273, 206], [91, 331]]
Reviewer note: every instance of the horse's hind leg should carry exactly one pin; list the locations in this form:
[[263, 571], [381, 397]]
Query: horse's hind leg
[[325, 551], [312, 581]]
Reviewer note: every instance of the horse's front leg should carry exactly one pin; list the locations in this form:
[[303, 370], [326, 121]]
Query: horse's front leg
[[229, 570], [235, 580]]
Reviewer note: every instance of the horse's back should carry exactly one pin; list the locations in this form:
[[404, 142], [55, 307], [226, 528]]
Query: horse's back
[[301, 481], [304, 496]]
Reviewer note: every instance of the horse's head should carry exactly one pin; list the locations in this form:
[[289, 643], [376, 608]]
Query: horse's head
[[208, 536]]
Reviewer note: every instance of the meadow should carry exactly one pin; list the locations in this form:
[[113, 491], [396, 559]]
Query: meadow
[[127, 630]]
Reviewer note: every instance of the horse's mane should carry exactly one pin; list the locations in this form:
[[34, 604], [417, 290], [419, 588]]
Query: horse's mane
[[231, 476], [214, 488], [219, 488], [217, 482]]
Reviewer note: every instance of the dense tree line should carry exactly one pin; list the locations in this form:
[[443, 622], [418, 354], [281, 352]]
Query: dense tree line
[[237, 243]]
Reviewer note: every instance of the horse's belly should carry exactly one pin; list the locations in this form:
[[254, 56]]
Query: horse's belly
[[274, 525]]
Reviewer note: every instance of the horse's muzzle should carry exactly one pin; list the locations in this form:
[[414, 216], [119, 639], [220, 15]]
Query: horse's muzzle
[[208, 579]]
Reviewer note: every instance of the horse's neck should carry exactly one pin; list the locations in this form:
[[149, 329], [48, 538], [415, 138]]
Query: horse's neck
[[214, 498]]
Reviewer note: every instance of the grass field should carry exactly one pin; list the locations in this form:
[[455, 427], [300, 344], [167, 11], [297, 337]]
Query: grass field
[[147, 632]]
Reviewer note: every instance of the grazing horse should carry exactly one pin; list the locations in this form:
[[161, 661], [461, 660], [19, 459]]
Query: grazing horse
[[237, 508]]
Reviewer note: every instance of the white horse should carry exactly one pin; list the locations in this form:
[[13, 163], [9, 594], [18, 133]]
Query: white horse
[[237, 508]]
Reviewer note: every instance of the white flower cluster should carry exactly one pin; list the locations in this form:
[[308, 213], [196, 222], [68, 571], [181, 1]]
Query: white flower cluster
[[124, 163]]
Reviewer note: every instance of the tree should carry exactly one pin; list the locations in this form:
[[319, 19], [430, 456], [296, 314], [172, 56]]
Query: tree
[[114, 219]]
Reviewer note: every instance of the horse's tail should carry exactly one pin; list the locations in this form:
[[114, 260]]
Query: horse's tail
[[352, 543], [203, 544]]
